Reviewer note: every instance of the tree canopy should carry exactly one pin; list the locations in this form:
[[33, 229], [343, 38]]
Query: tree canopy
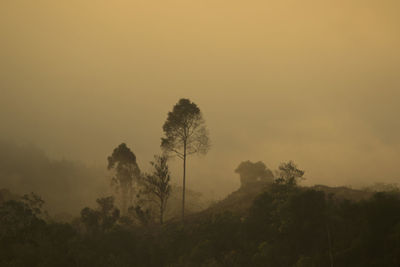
[[253, 172], [185, 130], [127, 171]]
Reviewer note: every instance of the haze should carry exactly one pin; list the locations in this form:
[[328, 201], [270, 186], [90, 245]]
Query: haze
[[316, 82]]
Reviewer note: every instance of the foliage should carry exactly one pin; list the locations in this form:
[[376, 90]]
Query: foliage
[[254, 172], [289, 173], [123, 161], [286, 226], [157, 184], [101, 219], [35, 203], [185, 131]]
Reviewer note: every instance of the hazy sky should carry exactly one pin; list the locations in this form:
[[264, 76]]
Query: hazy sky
[[313, 81]]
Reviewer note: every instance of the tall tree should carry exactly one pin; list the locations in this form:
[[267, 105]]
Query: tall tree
[[158, 183], [185, 134], [123, 161]]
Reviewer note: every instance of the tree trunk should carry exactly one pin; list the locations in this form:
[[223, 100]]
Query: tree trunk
[[124, 196], [161, 216], [161, 211], [184, 182]]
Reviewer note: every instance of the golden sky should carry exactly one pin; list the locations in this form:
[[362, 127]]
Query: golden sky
[[314, 81]]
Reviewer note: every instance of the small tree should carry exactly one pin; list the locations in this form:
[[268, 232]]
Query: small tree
[[109, 214], [157, 183], [185, 134], [288, 173], [103, 218], [35, 203], [123, 161]]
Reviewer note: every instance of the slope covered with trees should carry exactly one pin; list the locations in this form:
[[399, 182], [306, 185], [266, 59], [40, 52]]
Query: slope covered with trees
[[284, 225]]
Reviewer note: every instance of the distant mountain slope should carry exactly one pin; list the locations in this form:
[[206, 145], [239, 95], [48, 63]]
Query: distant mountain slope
[[343, 192], [65, 186]]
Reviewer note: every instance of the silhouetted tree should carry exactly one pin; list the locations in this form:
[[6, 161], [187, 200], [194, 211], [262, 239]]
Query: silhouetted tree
[[109, 214], [35, 203], [18, 221], [90, 218], [123, 161], [157, 183], [185, 134], [141, 213], [103, 218], [289, 173], [252, 172]]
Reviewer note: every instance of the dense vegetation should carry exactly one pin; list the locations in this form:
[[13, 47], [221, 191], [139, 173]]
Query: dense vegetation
[[286, 225]]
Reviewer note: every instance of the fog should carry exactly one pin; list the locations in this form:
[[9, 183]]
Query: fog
[[316, 82]]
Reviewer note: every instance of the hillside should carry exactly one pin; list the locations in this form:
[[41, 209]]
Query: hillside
[[240, 201]]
